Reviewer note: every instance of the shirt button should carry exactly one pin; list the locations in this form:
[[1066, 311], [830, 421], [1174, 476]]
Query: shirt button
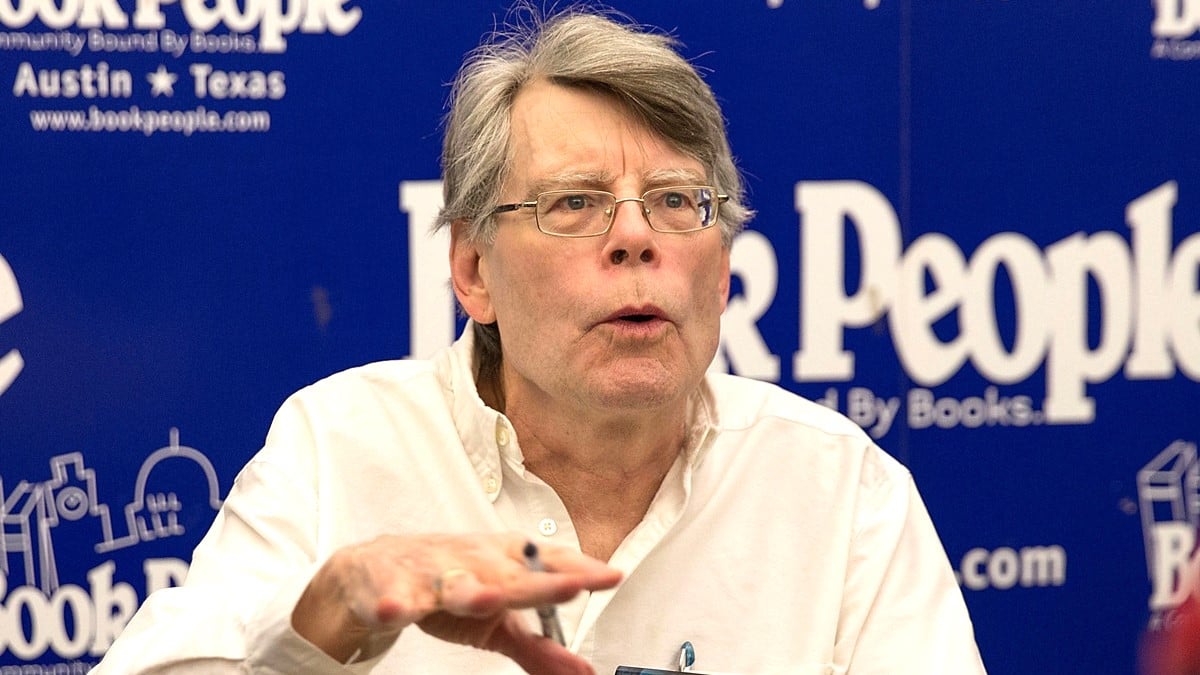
[[548, 527], [491, 484], [501, 435]]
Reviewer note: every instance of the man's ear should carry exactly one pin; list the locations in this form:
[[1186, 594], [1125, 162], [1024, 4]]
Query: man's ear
[[468, 275]]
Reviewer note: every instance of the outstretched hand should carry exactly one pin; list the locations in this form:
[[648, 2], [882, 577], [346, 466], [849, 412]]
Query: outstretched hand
[[458, 588]]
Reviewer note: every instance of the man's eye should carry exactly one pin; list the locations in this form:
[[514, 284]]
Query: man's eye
[[576, 202], [674, 200]]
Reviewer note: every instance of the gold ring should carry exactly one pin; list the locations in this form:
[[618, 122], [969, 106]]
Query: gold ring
[[439, 583]]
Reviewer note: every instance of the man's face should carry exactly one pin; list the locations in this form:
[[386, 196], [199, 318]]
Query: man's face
[[625, 321]]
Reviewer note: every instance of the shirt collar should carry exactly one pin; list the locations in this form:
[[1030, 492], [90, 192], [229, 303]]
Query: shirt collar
[[483, 430]]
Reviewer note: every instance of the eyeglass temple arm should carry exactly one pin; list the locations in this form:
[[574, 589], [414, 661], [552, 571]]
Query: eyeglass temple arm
[[505, 208]]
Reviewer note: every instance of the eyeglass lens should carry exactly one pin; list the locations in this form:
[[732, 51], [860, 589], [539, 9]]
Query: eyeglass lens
[[584, 212]]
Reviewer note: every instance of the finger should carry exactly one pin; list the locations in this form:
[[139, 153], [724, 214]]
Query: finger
[[565, 560], [535, 653], [531, 589], [565, 573], [462, 594]]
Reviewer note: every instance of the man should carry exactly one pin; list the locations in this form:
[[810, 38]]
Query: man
[[392, 521]]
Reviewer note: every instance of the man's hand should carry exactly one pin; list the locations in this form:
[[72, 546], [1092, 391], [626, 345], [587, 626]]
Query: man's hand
[[460, 588]]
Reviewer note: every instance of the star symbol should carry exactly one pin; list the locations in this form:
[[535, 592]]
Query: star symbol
[[162, 82]]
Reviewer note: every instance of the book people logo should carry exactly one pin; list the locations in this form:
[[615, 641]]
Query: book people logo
[[1169, 501], [272, 20], [175, 485]]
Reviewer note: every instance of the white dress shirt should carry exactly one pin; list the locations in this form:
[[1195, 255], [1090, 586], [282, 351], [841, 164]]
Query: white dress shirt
[[781, 541]]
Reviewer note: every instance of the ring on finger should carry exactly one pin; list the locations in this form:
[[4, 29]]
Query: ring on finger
[[439, 583]]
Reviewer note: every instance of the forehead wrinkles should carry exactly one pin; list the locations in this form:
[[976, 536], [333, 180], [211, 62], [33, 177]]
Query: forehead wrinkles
[[567, 142], [574, 171]]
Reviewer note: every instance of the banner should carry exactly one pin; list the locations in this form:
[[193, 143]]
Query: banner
[[976, 235]]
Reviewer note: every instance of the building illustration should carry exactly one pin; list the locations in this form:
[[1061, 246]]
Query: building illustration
[[31, 512], [1169, 491]]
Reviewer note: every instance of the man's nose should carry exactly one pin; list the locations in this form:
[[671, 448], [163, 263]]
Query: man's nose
[[631, 237]]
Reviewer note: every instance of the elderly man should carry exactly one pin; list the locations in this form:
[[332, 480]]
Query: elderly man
[[569, 449]]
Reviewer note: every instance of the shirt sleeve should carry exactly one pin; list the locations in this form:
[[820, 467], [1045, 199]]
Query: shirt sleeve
[[903, 613], [233, 612]]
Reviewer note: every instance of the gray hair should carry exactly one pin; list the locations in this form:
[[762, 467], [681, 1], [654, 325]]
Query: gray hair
[[585, 48]]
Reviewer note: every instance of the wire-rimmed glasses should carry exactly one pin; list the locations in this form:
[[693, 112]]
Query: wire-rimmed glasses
[[589, 213]]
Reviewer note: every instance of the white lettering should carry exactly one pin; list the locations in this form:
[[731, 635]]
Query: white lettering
[[1175, 18], [17, 16], [1005, 568], [27, 599], [971, 570], [11, 363], [80, 605], [57, 17], [331, 14], [148, 16], [72, 620], [1168, 300], [1172, 573], [87, 81], [932, 279], [221, 84], [114, 606], [972, 412], [173, 43], [1043, 566], [1027, 273], [97, 13], [430, 298], [1071, 361], [871, 412], [917, 311], [274, 19], [63, 13], [1149, 218], [752, 261], [826, 208], [1185, 306]]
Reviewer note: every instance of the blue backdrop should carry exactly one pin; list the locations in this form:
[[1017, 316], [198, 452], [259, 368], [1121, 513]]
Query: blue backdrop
[[976, 236]]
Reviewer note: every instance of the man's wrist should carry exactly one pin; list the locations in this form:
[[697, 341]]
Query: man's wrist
[[323, 619]]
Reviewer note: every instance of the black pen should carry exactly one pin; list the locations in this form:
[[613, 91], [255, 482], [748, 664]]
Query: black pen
[[551, 628]]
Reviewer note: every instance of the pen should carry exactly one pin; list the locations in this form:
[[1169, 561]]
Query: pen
[[546, 613]]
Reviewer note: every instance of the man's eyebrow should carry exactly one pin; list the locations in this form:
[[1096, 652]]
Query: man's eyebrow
[[665, 177], [603, 180], [566, 180]]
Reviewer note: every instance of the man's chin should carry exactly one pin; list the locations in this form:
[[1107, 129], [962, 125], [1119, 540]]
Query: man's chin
[[633, 391]]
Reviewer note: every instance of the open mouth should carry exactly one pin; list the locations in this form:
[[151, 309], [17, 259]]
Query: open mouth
[[634, 315], [638, 318]]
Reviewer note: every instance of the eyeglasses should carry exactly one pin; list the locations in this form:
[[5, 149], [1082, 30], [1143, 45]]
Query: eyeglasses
[[590, 213]]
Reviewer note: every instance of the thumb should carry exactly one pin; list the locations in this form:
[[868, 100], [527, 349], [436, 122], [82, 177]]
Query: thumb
[[533, 652]]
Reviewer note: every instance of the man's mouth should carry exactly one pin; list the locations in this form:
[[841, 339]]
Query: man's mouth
[[638, 318], [635, 315]]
